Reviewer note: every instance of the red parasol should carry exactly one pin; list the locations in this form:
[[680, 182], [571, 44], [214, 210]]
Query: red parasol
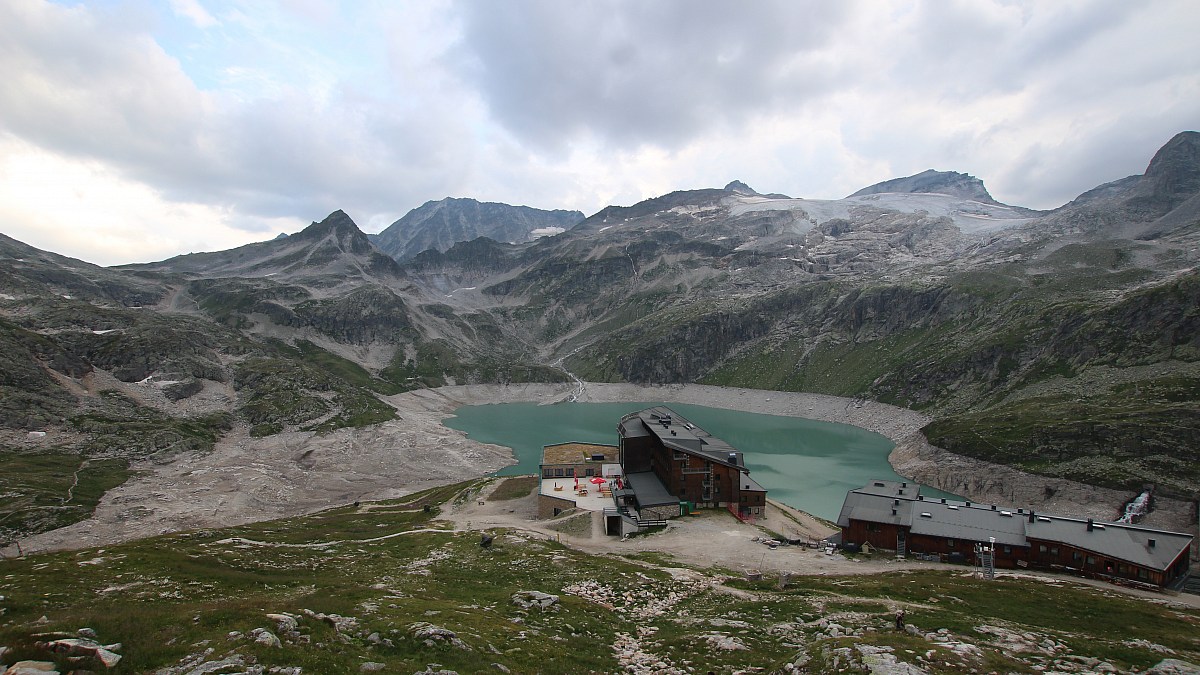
[[598, 480]]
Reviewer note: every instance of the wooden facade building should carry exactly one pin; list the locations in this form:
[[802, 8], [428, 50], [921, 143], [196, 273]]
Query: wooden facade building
[[692, 465], [895, 516]]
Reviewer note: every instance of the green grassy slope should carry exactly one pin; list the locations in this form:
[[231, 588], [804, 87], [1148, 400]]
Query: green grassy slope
[[388, 568]]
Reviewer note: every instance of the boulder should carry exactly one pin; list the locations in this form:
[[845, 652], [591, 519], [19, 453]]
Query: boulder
[[263, 636], [534, 599], [84, 647], [32, 668], [433, 635], [342, 624], [284, 622], [1174, 667], [724, 642]]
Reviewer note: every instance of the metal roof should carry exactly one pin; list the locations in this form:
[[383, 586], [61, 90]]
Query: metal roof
[[882, 502], [1129, 543], [677, 433], [891, 488], [648, 489], [956, 520], [631, 426], [874, 509], [748, 484]]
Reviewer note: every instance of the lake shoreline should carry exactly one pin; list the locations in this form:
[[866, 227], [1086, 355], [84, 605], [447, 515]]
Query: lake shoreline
[[244, 479], [913, 457]]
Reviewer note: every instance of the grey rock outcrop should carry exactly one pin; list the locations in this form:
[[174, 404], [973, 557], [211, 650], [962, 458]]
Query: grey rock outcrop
[[931, 181], [441, 224], [534, 600]]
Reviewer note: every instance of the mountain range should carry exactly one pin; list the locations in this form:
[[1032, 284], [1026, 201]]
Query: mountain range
[[1063, 342]]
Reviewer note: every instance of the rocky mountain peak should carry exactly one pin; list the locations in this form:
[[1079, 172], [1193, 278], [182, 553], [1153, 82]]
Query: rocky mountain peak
[[1174, 171], [441, 224], [740, 188], [337, 221], [340, 227], [1171, 183], [951, 183]]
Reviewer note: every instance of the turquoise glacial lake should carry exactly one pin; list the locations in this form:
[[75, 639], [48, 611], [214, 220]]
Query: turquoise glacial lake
[[803, 463]]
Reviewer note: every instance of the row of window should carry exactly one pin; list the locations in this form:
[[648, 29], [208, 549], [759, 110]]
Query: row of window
[[565, 473], [1077, 557]]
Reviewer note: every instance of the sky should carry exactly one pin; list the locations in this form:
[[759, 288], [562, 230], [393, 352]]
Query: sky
[[135, 130]]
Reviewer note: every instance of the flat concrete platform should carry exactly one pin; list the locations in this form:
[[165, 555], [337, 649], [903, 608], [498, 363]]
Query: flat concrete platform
[[592, 501]]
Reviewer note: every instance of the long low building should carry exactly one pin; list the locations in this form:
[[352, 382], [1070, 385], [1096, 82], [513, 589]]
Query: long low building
[[895, 516]]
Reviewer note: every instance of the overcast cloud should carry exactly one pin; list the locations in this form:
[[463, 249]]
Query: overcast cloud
[[134, 130]]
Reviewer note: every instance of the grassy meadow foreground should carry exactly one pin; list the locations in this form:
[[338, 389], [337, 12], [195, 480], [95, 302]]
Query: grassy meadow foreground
[[389, 586]]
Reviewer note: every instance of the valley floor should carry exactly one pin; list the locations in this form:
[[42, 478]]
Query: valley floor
[[248, 479]]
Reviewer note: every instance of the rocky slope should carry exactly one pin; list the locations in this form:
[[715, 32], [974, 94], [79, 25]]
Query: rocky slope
[[1064, 343]]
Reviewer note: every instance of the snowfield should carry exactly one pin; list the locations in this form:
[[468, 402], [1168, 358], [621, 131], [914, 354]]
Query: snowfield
[[969, 216]]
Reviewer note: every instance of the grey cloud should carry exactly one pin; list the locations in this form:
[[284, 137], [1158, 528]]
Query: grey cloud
[[1055, 171], [83, 85], [632, 73]]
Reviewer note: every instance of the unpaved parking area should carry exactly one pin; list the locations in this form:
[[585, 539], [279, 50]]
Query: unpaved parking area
[[708, 538]]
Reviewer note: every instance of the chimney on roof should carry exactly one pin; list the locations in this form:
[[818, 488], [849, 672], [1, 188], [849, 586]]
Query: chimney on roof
[[672, 432], [1033, 518], [966, 503], [904, 484], [896, 502], [993, 507], [733, 458], [1090, 525], [894, 513], [1151, 543]]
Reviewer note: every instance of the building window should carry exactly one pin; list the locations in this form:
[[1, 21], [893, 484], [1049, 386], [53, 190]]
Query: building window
[[1091, 560], [1143, 574], [558, 472], [1053, 550], [1008, 549], [873, 527], [949, 543], [588, 472], [571, 472], [1042, 548], [547, 473], [1076, 556]]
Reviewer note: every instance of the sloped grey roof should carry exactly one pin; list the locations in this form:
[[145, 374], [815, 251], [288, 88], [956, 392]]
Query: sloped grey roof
[[874, 509], [749, 484], [631, 426], [891, 488], [680, 434], [1125, 542], [973, 523], [648, 489]]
